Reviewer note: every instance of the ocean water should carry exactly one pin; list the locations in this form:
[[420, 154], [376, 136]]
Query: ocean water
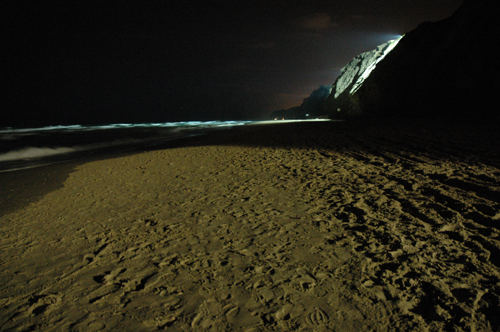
[[23, 148]]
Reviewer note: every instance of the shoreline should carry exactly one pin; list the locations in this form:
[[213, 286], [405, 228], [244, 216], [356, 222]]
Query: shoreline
[[316, 226], [34, 147]]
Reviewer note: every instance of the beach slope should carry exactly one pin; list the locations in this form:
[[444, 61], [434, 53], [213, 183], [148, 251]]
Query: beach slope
[[304, 226]]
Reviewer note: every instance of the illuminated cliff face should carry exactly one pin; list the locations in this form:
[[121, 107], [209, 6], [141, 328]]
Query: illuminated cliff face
[[357, 71], [351, 78], [444, 69]]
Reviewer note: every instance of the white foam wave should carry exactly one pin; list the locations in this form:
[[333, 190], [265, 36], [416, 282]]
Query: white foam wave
[[31, 152], [34, 152], [197, 124]]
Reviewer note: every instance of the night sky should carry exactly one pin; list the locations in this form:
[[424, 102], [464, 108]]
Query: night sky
[[123, 61]]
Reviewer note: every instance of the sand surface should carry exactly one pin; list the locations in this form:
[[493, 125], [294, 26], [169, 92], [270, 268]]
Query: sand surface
[[309, 227]]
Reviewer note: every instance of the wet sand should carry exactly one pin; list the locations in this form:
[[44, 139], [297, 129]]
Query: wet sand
[[309, 227]]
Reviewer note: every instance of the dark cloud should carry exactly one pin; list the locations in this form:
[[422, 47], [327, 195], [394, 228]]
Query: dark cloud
[[316, 21]]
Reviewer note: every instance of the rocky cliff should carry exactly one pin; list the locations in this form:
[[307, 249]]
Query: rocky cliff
[[446, 68], [353, 75], [351, 78], [311, 106], [341, 102]]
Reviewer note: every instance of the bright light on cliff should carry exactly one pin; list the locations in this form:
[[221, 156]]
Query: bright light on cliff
[[391, 45]]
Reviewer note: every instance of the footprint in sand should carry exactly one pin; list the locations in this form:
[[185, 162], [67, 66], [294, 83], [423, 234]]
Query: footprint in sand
[[108, 277], [39, 304], [209, 315], [231, 311], [163, 320], [317, 318], [150, 222]]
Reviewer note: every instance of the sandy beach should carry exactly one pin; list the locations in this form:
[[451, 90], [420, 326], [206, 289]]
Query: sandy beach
[[306, 226]]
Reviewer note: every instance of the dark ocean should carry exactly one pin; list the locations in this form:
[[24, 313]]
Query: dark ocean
[[32, 147]]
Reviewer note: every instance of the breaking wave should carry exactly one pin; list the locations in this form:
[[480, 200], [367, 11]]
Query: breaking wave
[[22, 148], [28, 147], [34, 152], [74, 128]]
